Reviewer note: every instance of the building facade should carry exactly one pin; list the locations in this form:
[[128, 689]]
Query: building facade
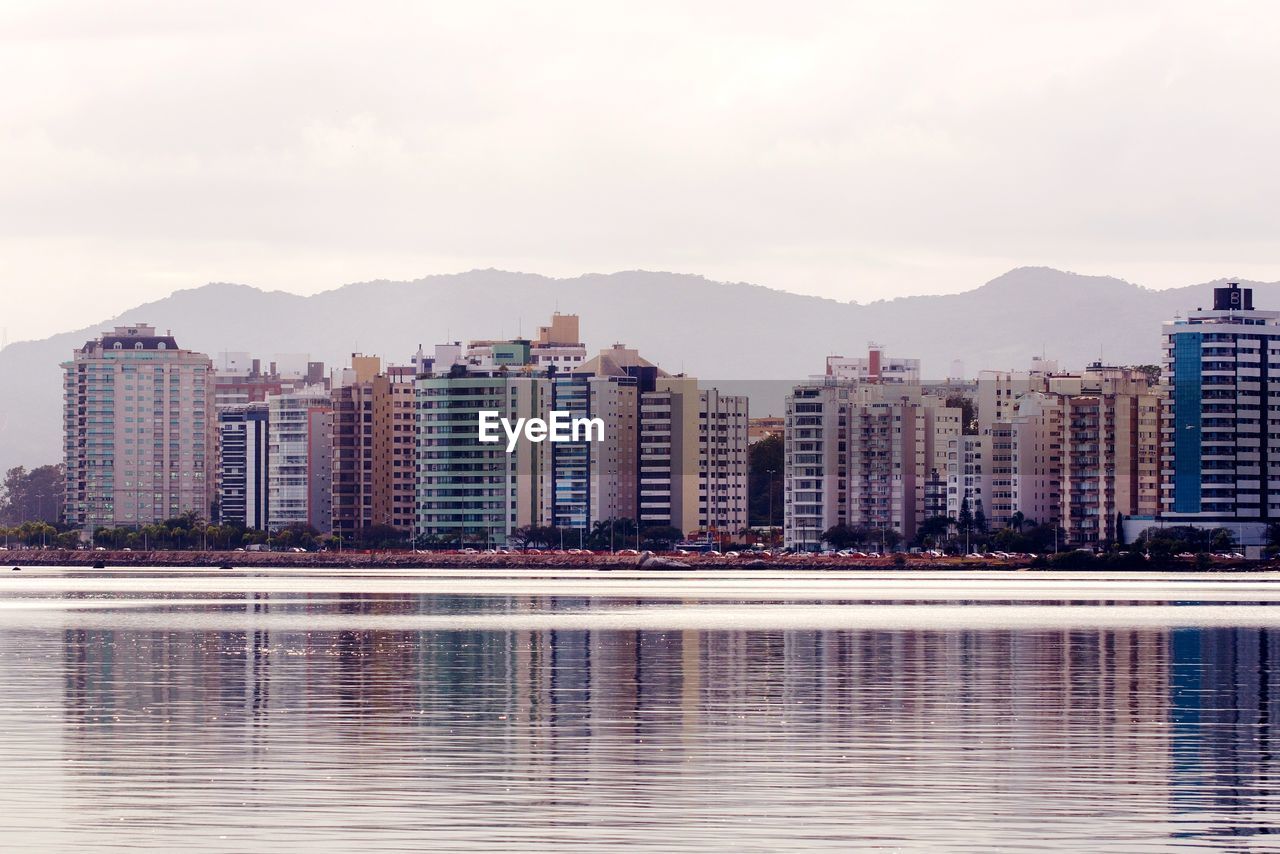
[[353, 446], [867, 455], [469, 491], [1221, 419], [300, 460], [394, 445], [137, 430], [243, 482]]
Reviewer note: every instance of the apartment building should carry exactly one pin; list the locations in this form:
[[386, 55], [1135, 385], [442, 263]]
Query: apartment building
[[594, 479], [559, 344], [816, 461], [300, 459], [968, 474], [468, 490], [1079, 452], [353, 446], [394, 440], [1220, 446], [865, 455], [875, 368], [1027, 461], [723, 430], [243, 482], [138, 422], [693, 458]]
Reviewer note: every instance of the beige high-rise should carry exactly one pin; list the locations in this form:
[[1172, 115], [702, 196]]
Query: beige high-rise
[[138, 430]]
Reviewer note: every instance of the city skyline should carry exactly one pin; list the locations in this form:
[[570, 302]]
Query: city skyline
[[1097, 456]]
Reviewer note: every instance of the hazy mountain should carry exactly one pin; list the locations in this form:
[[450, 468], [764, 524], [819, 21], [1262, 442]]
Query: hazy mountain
[[714, 330]]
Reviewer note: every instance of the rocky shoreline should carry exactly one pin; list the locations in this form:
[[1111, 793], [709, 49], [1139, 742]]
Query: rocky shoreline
[[393, 560]]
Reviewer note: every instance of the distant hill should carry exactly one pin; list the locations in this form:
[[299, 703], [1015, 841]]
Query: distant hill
[[714, 330]]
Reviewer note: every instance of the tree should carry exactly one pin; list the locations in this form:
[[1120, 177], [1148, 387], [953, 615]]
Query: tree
[[1153, 372], [1222, 540], [1166, 542], [968, 413], [1017, 520], [980, 519], [297, 535], [661, 537], [612, 534], [32, 496], [964, 520], [888, 538], [381, 537], [932, 531], [535, 536], [843, 536], [764, 481]]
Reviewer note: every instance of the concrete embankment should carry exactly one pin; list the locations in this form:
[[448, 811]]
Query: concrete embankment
[[392, 560]]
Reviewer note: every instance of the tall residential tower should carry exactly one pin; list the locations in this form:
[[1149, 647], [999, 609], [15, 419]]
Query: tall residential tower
[[1221, 448], [137, 430]]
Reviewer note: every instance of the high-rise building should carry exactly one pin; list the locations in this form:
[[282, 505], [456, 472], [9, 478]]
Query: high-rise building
[[724, 427], [1221, 425], [1027, 453], [593, 479], [867, 455], [243, 465], [671, 454], [693, 458], [373, 447], [353, 446], [816, 462], [968, 474], [137, 423], [472, 491], [394, 441], [300, 460], [1078, 452]]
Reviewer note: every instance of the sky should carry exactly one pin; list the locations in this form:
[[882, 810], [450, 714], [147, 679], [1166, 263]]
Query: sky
[[853, 150]]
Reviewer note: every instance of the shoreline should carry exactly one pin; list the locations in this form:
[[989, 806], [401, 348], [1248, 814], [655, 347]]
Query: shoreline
[[392, 560]]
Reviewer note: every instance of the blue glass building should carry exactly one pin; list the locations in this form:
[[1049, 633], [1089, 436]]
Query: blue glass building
[[1221, 443]]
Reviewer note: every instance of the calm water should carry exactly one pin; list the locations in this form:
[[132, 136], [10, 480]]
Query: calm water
[[223, 711]]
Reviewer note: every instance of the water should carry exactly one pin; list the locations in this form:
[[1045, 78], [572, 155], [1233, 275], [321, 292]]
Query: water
[[225, 711]]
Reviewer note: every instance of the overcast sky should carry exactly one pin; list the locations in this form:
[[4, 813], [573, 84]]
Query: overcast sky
[[853, 150]]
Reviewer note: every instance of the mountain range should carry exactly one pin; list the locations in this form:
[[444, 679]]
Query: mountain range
[[718, 331]]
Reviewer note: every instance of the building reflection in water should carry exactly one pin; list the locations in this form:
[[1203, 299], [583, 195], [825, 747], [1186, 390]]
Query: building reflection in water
[[897, 736]]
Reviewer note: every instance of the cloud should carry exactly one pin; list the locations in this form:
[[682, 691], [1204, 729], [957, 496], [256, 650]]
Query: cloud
[[854, 150]]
